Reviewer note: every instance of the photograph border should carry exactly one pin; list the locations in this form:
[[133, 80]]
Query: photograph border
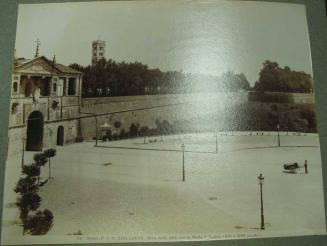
[[317, 22]]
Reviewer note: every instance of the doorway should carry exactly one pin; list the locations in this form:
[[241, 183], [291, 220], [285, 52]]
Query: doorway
[[34, 140], [60, 136]]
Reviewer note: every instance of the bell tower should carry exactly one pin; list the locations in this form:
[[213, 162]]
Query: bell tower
[[98, 51]]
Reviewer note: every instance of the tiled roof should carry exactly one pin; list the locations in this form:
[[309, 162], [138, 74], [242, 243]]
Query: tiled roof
[[65, 69], [60, 67]]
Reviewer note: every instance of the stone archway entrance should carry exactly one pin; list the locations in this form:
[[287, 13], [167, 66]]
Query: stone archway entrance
[[34, 140], [60, 136]]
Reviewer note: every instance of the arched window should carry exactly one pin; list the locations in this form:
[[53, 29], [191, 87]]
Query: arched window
[[54, 87], [15, 87]]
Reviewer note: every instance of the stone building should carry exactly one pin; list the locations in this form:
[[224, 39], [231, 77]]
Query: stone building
[[98, 51], [45, 105]]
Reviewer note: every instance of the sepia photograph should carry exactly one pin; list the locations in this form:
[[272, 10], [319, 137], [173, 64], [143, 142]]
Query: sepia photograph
[[158, 121]]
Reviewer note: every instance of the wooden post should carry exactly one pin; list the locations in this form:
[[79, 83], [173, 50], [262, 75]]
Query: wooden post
[[183, 150], [49, 168], [23, 151], [278, 135], [216, 142], [96, 131], [306, 166]]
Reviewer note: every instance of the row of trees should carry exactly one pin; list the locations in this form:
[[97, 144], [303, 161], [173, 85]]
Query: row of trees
[[34, 221], [246, 117], [109, 78], [136, 130]]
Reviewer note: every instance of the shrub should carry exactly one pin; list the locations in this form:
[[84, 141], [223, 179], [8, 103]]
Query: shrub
[[144, 131], [122, 134], [270, 97], [28, 199], [40, 159], [117, 124], [115, 136], [26, 184], [310, 116], [50, 153], [166, 128], [31, 170], [133, 129], [39, 223]]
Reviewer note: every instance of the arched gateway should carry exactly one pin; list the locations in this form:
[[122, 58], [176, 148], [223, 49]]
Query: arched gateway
[[60, 136], [34, 140]]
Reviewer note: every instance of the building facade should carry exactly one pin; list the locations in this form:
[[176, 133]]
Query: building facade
[[98, 51], [45, 105]]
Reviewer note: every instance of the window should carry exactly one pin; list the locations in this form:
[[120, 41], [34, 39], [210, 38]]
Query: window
[[54, 87], [15, 87], [101, 54], [44, 86], [14, 107], [71, 86]]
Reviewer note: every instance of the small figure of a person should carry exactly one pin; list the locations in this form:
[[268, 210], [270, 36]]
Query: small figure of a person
[[36, 94], [306, 167]]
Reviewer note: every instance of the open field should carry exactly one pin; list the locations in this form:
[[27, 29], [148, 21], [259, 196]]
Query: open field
[[211, 141], [125, 193]]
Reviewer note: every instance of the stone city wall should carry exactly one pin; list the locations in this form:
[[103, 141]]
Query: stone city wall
[[145, 110]]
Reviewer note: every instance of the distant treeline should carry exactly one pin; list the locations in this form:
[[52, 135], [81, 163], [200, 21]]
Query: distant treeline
[[110, 78]]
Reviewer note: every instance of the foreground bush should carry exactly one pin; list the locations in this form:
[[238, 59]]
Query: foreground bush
[[39, 223], [34, 222]]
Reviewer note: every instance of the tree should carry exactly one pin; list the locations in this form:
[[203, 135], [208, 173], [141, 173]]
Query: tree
[[234, 82], [40, 222], [144, 131], [310, 116], [28, 200], [40, 160], [276, 79], [110, 78], [134, 129], [122, 134], [77, 67]]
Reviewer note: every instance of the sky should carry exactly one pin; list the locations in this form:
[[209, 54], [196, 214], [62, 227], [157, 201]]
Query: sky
[[208, 37]]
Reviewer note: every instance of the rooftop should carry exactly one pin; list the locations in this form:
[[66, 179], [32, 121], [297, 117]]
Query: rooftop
[[19, 62]]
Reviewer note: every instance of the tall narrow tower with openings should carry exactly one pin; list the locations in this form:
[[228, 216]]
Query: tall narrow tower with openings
[[98, 51]]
